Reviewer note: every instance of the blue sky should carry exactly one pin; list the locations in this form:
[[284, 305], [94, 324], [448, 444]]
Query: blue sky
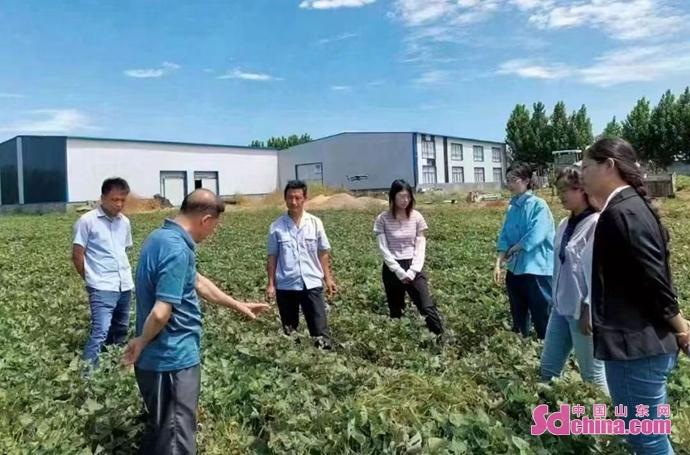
[[229, 71]]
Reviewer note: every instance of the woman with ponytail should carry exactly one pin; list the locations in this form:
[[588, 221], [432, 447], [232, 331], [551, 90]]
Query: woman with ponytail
[[637, 326]]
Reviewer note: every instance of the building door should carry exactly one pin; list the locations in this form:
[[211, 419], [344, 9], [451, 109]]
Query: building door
[[207, 180], [310, 172], [174, 186]]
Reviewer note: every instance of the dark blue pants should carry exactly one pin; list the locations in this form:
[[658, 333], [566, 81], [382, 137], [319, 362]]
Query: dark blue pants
[[530, 298], [109, 321]]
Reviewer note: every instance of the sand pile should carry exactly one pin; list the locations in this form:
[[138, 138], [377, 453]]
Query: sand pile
[[137, 204], [344, 201]]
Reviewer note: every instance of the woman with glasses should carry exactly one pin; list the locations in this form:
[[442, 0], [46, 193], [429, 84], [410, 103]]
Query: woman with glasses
[[525, 248], [637, 326]]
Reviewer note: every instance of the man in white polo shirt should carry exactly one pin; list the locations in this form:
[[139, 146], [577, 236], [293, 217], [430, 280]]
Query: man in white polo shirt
[[99, 253]]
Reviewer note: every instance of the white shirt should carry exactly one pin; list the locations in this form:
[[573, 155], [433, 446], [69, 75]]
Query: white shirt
[[105, 241], [613, 194]]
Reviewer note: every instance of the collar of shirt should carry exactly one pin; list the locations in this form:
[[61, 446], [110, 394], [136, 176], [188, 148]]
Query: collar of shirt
[[520, 199], [171, 224], [290, 223], [613, 194], [102, 214], [573, 221]]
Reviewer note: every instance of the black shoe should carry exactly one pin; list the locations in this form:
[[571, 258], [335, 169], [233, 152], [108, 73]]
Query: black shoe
[[323, 343]]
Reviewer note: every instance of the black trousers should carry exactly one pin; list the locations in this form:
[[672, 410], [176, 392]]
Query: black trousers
[[171, 400], [418, 290], [313, 307]]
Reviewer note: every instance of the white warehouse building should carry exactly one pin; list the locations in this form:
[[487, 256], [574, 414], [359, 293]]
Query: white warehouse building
[[371, 161], [61, 170]]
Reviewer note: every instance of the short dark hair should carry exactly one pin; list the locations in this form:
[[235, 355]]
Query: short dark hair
[[195, 203], [114, 183], [523, 171], [570, 177], [295, 185], [396, 187]]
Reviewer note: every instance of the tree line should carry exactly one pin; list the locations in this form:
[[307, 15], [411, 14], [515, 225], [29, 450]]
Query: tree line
[[661, 135], [281, 142]]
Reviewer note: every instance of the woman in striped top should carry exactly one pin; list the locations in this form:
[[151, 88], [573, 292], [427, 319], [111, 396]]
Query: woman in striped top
[[401, 235]]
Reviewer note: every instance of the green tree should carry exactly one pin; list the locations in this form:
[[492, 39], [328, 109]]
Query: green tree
[[582, 129], [282, 142], [539, 126], [613, 129], [664, 132], [518, 134], [636, 128], [683, 118], [558, 130]]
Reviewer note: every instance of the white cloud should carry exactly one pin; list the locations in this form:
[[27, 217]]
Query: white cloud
[[531, 4], [10, 95], [433, 22], [340, 88], [51, 121], [638, 64], [531, 69], [622, 65], [433, 77], [333, 4], [153, 73], [415, 13], [620, 19], [246, 76], [341, 37]]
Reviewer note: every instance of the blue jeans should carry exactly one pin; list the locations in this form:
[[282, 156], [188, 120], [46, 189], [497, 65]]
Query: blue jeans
[[642, 381], [530, 298], [563, 335], [109, 321]]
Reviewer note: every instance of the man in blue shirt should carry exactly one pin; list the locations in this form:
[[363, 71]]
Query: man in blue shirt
[[298, 265], [166, 350], [99, 254]]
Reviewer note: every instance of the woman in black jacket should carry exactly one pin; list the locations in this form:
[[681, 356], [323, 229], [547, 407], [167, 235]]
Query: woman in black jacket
[[637, 326]]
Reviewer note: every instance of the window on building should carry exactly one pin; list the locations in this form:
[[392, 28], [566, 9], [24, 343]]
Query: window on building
[[498, 175], [429, 174], [478, 153], [479, 175], [496, 154], [428, 149], [456, 152], [458, 174]]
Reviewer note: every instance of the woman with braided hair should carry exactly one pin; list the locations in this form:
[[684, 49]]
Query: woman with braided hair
[[637, 326]]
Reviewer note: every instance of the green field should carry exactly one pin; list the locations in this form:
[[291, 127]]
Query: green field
[[387, 387]]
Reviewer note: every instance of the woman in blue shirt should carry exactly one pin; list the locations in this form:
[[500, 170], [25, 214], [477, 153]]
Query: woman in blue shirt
[[525, 247]]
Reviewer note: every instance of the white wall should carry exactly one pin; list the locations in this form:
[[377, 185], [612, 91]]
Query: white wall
[[467, 163], [90, 161]]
